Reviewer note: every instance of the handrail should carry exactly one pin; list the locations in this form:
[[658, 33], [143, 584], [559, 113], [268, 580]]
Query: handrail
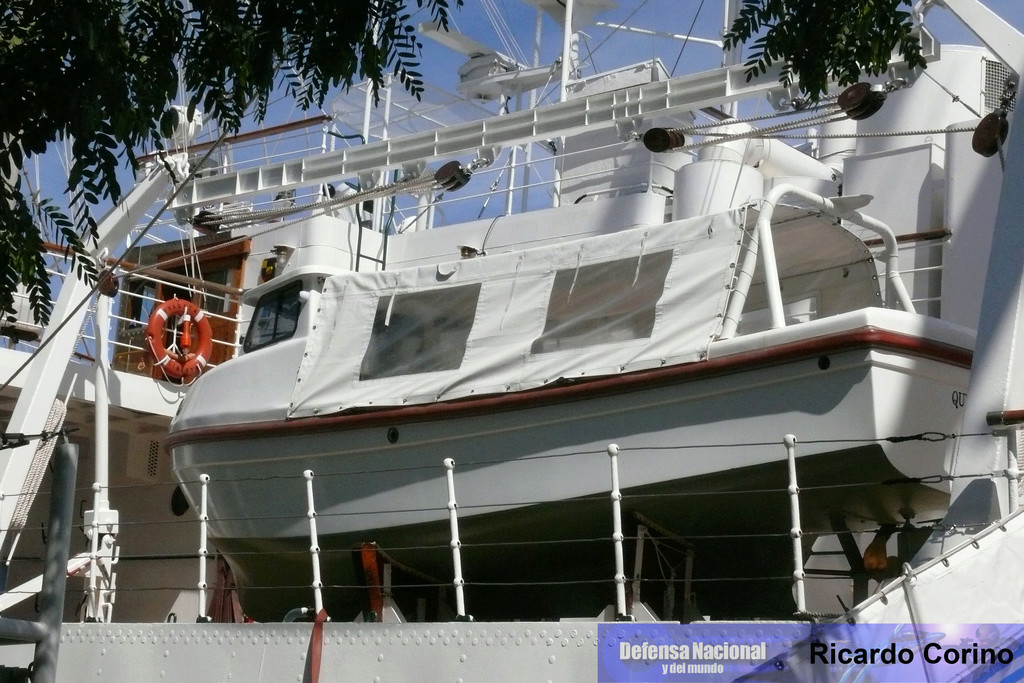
[[762, 241], [242, 137]]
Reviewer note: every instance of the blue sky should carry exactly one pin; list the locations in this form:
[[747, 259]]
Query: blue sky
[[673, 16], [615, 48]]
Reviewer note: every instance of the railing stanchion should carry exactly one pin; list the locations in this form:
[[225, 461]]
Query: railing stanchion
[[453, 518], [795, 531], [314, 545], [204, 517], [617, 537], [94, 558]]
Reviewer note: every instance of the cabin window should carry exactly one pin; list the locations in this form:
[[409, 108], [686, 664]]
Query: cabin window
[[276, 317], [420, 332], [604, 303]]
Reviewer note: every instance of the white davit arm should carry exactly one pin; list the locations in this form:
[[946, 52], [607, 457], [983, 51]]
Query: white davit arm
[[43, 377], [1005, 42]]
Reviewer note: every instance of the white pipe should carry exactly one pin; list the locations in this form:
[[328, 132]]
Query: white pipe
[[314, 545], [893, 281], [93, 612], [456, 544], [744, 276], [795, 531], [567, 33], [533, 105], [617, 537], [772, 158], [101, 447], [513, 160], [102, 402], [378, 205], [731, 56], [762, 240], [771, 268]]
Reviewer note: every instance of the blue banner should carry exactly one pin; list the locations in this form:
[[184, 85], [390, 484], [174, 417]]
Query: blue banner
[[798, 652]]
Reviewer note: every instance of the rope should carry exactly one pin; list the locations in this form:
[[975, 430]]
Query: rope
[[40, 461], [887, 134], [590, 53], [825, 102], [718, 139]]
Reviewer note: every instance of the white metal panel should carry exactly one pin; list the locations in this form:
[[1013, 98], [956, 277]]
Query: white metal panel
[[917, 206], [271, 653]]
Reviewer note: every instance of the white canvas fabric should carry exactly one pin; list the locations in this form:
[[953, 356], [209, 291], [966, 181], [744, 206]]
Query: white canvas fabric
[[636, 299]]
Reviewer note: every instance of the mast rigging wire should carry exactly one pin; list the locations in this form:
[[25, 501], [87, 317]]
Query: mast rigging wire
[[120, 259]]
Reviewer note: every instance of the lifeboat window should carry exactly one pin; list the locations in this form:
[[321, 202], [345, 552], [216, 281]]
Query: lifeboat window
[[420, 332], [604, 302], [276, 317]]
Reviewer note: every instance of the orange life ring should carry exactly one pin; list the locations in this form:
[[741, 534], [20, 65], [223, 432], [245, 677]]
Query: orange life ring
[[185, 364]]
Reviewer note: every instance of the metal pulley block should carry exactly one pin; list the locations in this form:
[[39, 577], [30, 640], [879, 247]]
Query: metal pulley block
[[106, 283], [663, 139], [452, 176], [990, 134], [860, 101]]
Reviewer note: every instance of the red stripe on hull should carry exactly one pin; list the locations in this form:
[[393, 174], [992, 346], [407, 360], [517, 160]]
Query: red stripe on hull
[[582, 389]]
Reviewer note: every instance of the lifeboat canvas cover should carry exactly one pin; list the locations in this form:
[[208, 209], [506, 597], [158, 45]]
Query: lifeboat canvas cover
[[636, 299]]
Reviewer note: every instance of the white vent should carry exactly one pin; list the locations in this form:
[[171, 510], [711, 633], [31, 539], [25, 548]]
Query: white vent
[[144, 459], [996, 77], [153, 461]]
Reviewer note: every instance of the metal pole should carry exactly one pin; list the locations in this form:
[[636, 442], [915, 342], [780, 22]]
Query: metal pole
[[620, 569], [94, 551], [55, 570], [102, 402], [513, 160], [567, 34], [528, 165], [453, 517], [101, 406], [378, 205], [204, 481], [314, 546], [734, 55], [795, 531]]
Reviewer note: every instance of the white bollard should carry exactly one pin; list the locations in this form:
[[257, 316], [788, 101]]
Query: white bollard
[[204, 480], [620, 566], [795, 531], [314, 545], [453, 517]]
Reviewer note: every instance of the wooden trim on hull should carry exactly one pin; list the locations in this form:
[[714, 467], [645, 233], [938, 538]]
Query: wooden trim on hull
[[566, 390]]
